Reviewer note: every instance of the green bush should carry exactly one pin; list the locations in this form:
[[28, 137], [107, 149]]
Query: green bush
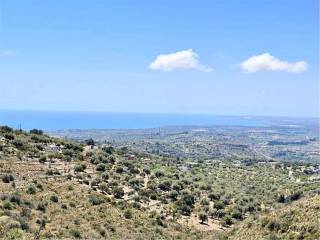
[[101, 167], [128, 214], [31, 189], [227, 220], [7, 205], [118, 192], [54, 198], [42, 159], [15, 198], [203, 217], [96, 199], [295, 196], [80, 167], [75, 233], [7, 178], [41, 207]]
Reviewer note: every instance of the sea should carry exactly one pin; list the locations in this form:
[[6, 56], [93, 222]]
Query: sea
[[60, 120]]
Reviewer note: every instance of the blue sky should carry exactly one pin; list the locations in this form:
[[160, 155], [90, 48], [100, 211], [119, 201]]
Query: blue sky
[[102, 56]]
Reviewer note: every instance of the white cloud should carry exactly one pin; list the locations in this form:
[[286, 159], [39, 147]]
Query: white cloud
[[267, 62], [186, 59]]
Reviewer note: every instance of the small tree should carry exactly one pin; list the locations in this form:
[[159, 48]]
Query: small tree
[[36, 131], [90, 141]]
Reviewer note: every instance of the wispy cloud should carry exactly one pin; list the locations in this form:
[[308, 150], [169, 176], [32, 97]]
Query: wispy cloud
[[9, 53], [184, 60], [267, 62]]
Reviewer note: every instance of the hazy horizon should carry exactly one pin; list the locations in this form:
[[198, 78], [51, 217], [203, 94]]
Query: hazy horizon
[[160, 113]]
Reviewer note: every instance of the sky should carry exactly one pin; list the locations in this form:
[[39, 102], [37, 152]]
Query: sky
[[224, 57]]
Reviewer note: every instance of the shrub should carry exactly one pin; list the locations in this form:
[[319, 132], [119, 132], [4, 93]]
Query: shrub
[[204, 202], [165, 185], [119, 170], [295, 196], [15, 199], [23, 223], [227, 220], [237, 215], [188, 199], [39, 186], [203, 217], [108, 149], [159, 174], [75, 233], [118, 192], [185, 210], [19, 144], [7, 205], [6, 129], [103, 186], [219, 205], [220, 213], [25, 212], [173, 195], [50, 172], [80, 167], [42, 159], [41, 222], [9, 136], [104, 176], [273, 225], [7, 178], [281, 198], [96, 199], [101, 167], [31, 189], [54, 198], [41, 207], [128, 214], [213, 196]]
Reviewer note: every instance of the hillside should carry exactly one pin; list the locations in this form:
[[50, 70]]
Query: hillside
[[299, 220], [53, 188]]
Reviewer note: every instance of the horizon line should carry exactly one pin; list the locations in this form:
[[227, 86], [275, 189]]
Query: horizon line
[[163, 113]]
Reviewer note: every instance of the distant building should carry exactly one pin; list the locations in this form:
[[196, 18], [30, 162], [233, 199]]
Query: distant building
[[131, 157]]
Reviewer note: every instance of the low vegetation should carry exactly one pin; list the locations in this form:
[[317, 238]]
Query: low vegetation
[[52, 188]]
